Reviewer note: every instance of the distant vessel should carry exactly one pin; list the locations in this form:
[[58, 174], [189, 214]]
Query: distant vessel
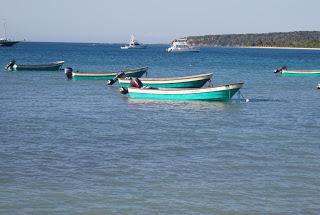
[[5, 41], [285, 72], [134, 44], [181, 45]]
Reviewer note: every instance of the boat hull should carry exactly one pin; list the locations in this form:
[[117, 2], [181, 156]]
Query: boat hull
[[7, 43], [135, 73], [39, 67], [133, 47], [106, 77], [195, 81], [183, 50], [301, 73], [221, 93]]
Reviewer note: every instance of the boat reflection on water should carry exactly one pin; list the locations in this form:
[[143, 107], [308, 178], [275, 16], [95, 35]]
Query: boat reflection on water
[[194, 105]]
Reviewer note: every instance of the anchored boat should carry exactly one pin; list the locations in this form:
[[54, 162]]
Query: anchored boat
[[301, 73], [137, 73], [219, 93], [5, 41], [181, 45], [12, 66], [285, 72], [194, 81], [133, 44]]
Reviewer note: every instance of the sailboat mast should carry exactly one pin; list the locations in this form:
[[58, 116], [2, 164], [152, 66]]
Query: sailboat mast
[[5, 30]]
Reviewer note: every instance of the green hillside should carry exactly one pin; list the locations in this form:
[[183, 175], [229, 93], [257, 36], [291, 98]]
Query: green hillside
[[300, 39]]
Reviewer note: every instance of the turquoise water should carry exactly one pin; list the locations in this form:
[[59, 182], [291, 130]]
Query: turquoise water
[[80, 147]]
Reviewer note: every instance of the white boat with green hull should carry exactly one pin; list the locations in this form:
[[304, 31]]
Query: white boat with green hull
[[218, 93], [193, 81], [285, 72]]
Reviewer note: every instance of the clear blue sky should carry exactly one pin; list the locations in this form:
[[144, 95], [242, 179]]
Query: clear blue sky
[[113, 21]]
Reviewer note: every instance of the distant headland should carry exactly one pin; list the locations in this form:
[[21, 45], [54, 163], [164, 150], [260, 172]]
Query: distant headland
[[296, 39]]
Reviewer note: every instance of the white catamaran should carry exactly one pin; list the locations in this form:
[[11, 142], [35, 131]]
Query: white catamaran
[[134, 44]]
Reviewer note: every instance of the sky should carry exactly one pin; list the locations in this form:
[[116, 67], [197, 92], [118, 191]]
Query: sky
[[151, 21]]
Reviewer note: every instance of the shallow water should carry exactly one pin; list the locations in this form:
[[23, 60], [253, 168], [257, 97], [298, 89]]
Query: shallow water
[[80, 147]]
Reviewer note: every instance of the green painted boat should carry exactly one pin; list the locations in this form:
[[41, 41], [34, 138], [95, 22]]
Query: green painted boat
[[12, 66], [300, 72], [194, 81], [218, 93], [135, 73]]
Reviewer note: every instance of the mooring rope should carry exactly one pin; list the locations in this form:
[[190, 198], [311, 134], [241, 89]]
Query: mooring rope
[[240, 95]]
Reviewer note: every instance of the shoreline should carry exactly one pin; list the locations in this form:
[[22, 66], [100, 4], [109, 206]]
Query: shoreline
[[270, 47], [259, 47]]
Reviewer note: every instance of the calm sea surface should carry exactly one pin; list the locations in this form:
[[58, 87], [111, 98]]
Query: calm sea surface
[[80, 147]]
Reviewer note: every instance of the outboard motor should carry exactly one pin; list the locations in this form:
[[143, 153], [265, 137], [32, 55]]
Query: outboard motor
[[10, 65], [135, 82], [68, 72], [123, 90], [115, 79], [280, 69], [277, 70]]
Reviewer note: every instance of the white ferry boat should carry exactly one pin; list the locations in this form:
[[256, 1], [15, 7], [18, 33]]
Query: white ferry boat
[[181, 45], [134, 44]]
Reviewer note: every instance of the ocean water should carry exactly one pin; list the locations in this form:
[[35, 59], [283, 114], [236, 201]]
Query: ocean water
[[80, 147]]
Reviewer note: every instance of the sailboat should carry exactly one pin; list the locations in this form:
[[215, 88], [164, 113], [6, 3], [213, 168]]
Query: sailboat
[[5, 41], [134, 44]]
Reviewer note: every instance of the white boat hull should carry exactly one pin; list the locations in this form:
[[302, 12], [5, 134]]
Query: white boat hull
[[181, 45], [183, 50], [133, 44], [133, 47]]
